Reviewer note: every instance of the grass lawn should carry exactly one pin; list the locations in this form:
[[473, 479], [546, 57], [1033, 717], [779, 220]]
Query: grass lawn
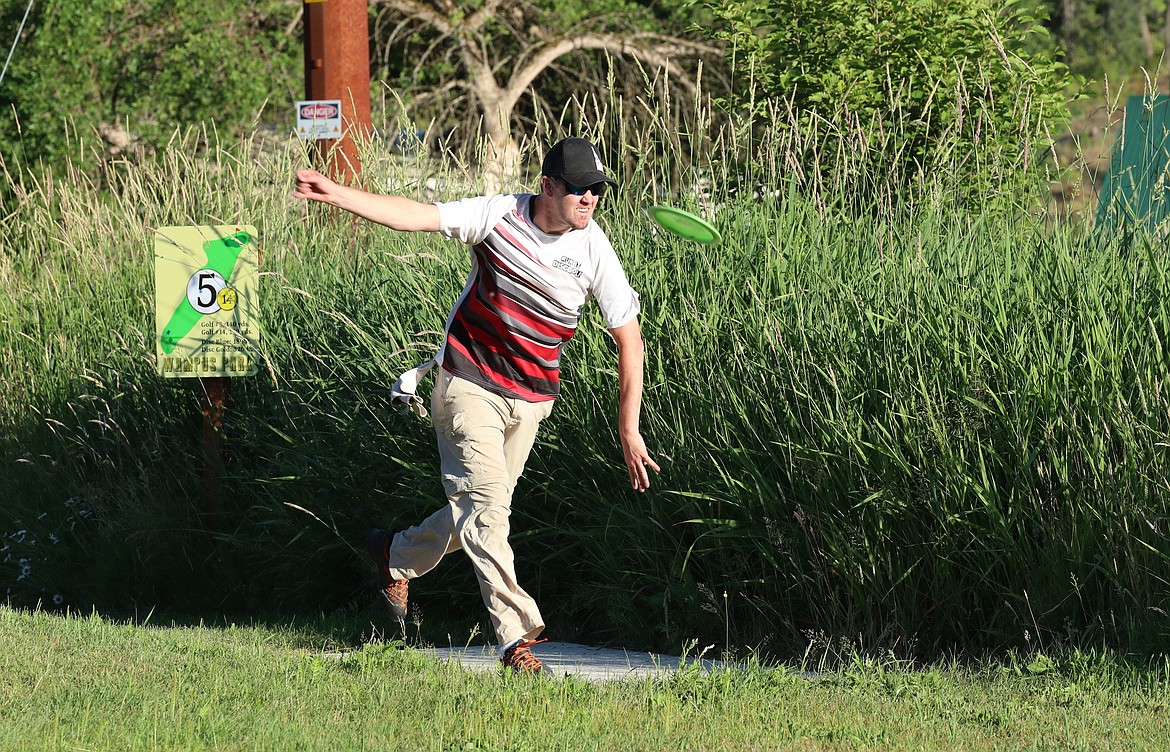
[[91, 683]]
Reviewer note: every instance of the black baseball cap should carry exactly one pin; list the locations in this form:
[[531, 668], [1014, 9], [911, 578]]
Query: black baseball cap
[[577, 162]]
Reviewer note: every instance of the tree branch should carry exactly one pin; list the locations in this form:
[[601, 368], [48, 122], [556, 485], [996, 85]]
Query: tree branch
[[658, 53], [425, 13], [477, 19]]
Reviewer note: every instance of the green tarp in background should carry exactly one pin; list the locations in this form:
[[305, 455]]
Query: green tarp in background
[[1136, 192]]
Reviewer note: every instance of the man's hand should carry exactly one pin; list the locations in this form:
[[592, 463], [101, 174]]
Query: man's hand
[[313, 185], [638, 461], [628, 338]]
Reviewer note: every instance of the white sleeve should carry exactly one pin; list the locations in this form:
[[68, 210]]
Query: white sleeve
[[618, 301], [471, 219]]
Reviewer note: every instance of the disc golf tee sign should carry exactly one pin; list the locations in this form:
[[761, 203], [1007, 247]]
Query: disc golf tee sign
[[206, 302]]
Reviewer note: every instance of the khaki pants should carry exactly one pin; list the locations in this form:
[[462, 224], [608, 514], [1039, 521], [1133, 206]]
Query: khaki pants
[[484, 441]]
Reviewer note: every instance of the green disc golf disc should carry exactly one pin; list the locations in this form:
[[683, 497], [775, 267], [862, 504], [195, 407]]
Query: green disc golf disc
[[684, 224]]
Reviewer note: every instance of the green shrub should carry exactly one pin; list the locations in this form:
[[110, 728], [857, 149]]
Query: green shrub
[[886, 90], [83, 72]]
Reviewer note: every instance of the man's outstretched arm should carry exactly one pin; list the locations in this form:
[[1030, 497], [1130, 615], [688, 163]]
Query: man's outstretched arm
[[631, 360], [395, 212]]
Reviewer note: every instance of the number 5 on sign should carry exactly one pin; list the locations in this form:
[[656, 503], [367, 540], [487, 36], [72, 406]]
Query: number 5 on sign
[[206, 303]]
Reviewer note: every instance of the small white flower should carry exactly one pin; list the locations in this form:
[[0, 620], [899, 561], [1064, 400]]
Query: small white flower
[[58, 599], [25, 569]]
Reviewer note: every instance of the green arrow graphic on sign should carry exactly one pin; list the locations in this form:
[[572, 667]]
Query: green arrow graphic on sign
[[222, 255]]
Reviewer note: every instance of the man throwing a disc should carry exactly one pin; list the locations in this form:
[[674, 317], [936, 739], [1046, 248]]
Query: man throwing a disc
[[536, 259]]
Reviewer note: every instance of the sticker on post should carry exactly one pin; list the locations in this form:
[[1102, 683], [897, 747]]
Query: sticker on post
[[319, 119]]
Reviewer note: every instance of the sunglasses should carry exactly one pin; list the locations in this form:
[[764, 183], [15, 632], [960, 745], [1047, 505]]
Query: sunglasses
[[597, 189]]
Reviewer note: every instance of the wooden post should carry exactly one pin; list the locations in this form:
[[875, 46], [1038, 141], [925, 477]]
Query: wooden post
[[337, 66], [216, 391]]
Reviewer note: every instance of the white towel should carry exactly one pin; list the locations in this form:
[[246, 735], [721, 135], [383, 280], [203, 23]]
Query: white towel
[[403, 391]]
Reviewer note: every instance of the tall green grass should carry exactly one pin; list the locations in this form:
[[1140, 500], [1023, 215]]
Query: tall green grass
[[900, 421]]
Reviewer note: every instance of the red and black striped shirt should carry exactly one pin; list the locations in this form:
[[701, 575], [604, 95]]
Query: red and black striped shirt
[[524, 295]]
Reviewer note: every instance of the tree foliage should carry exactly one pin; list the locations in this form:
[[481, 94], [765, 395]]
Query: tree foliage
[[132, 71], [912, 83], [124, 73], [1110, 37]]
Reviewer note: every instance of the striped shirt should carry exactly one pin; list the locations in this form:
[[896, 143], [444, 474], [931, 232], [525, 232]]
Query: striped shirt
[[524, 295]]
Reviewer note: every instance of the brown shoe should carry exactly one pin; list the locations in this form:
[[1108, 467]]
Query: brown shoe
[[393, 592], [520, 659]]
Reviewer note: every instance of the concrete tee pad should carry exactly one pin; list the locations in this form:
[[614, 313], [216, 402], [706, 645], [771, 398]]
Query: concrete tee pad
[[582, 661]]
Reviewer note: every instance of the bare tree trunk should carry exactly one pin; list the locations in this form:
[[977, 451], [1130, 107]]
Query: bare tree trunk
[[501, 157], [501, 162], [1166, 30], [1067, 21], [1144, 26]]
